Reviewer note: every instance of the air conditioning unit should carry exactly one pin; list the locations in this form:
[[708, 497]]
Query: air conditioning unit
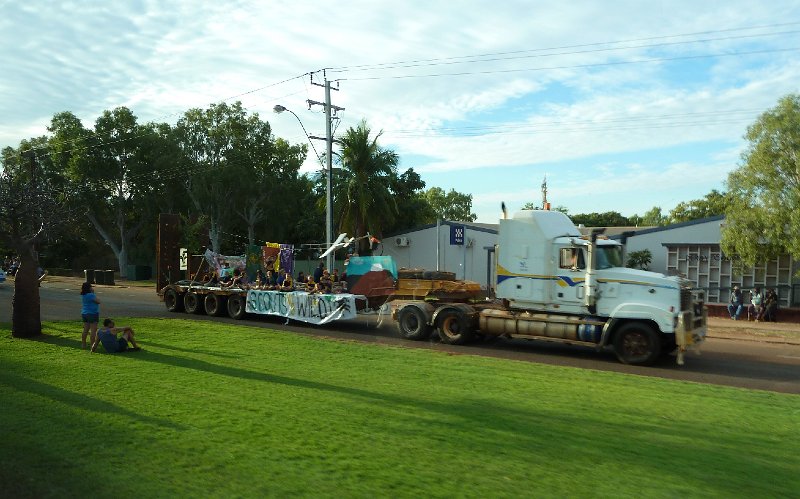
[[401, 241]]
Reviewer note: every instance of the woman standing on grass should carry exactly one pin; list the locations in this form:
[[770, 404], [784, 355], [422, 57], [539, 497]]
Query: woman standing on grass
[[90, 312]]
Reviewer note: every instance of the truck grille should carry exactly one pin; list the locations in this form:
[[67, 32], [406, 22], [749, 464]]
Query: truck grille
[[686, 299]]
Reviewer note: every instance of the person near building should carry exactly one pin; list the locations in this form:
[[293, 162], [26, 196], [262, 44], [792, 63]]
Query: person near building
[[769, 311], [735, 303], [754, 309]]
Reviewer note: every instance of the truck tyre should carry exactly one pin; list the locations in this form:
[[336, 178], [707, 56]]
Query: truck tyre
[[637, 343], [192, 303], [173, 300], [412, 325], [454, 328], [236, 307], [214, 304]]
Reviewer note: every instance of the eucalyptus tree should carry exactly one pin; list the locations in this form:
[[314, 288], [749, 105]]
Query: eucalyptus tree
[[451, 205], [215, 143], [107, 169], [763, 211]]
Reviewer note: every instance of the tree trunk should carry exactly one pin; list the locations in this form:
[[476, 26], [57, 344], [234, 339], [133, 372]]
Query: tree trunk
[[26, 320], [213, 234], [120, 250], [122, 261], [108, 240]]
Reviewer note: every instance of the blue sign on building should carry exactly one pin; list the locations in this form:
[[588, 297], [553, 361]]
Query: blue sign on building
[[457, 235]]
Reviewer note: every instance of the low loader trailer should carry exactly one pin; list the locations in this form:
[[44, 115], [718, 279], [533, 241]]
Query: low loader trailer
[[552, 283]]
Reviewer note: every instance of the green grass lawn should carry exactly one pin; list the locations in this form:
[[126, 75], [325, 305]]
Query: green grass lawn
[[209, 409]]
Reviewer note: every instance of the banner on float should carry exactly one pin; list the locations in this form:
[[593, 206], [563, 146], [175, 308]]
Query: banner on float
[[301, 306]]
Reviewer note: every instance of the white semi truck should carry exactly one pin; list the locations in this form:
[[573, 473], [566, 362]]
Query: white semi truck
[[552, 283]]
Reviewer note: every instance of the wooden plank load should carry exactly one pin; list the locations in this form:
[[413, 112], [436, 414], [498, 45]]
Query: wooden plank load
[[437, 290]]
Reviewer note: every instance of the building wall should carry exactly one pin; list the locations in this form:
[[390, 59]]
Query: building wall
[[421, 251], [693, 250], [654, 240]]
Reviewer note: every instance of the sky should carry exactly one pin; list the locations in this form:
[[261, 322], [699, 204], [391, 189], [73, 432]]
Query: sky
[[622, 106]]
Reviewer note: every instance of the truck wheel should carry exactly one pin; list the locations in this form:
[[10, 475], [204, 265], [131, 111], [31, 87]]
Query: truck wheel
[[236, 307], [173, 301], [453, 328], [637, 343], [412, 325], [215, 305], [192, 303]]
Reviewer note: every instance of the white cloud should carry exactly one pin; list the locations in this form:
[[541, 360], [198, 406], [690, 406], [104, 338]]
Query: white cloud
[[161, 60]]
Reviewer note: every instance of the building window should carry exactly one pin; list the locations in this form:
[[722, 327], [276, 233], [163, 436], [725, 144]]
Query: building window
[[709, 269]]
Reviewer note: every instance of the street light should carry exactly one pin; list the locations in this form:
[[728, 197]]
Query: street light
[[278, 109], [329, 170]]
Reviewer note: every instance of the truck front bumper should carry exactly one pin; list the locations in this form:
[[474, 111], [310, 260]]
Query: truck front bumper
[[690, 331]]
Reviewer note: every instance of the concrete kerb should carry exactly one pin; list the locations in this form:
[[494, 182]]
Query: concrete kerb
[[77, 281]]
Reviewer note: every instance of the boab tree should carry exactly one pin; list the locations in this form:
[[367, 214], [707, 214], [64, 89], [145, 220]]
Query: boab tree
[[32, 208]]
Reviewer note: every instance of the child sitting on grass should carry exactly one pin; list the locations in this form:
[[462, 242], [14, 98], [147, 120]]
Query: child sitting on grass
[[107, 335]]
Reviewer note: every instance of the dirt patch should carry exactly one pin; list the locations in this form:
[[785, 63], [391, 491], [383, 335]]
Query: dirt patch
[[773, 332]]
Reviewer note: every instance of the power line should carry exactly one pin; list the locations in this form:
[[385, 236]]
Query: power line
[[746, 114], [562, 47], [575, 66], [477, 59]]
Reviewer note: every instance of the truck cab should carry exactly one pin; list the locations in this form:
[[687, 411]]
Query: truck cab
[[545, 265]]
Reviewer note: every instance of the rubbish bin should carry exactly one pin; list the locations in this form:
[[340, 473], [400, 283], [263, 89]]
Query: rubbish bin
[[88, 275], [109, 280], [138, 272], [99, 276]]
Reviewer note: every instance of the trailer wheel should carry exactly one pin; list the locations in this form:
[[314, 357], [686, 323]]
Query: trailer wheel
[[637, 343], [214, 304], [173, 300], [192, 303], [236, 307], [454, 328], [412, 325]]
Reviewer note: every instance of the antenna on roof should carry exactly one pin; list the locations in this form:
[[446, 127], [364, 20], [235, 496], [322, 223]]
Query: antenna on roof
[[545, 204]]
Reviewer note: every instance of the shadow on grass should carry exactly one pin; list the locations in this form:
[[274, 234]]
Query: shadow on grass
[[79, 400], [636, 438], [60, 341], [632, 438], [147, 343]]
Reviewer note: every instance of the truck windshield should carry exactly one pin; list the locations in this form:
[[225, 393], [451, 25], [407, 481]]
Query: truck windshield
[[609, 256]]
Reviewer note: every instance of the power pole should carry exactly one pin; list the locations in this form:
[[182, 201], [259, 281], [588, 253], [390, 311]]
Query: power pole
[[329, 155]]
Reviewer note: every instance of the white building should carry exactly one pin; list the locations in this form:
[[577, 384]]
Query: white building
[[693, 249], [473, 259]]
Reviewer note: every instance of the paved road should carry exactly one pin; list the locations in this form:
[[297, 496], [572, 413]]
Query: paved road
[[749, 364]]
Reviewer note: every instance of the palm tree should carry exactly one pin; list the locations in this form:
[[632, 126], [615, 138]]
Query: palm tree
[[363, 197]]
